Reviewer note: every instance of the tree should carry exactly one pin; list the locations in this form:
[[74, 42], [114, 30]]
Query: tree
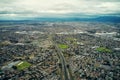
[[14, 67]]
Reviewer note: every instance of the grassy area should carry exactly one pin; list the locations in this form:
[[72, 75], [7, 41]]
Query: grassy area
[[23, 65], [63, 46], [103, 49]]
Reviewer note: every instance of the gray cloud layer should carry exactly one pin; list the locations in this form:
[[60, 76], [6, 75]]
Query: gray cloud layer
[[62, 8]]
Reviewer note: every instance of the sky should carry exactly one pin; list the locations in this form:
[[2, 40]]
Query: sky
[[23, 9]]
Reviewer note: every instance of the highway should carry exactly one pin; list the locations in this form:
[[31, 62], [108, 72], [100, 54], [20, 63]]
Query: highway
[[63, 63], [66, 72]]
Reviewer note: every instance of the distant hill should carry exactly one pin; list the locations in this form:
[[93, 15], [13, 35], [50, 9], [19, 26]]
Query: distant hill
[[113, 19], [107, 19]]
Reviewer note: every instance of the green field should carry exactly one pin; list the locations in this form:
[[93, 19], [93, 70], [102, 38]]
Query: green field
[[63, 46], [103, 49], [23, 65]]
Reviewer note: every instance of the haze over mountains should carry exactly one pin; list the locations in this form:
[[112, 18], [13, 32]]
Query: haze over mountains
[[113, 19]]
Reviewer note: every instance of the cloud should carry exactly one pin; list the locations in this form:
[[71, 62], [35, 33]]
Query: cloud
[[43, 8]]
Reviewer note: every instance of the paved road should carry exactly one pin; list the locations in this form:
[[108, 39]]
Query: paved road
[[63, 62], [67, 74]]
